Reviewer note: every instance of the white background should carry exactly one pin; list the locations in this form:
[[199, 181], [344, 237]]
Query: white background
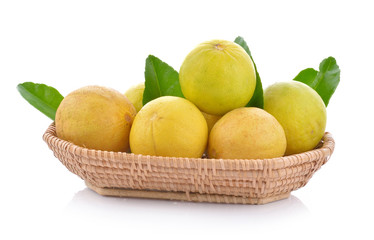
[[70, 44]]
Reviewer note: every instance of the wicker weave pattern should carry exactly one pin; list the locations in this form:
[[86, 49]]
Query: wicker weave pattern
[[200, 178]]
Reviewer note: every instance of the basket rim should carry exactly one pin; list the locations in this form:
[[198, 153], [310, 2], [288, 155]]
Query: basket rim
[[324, 149]]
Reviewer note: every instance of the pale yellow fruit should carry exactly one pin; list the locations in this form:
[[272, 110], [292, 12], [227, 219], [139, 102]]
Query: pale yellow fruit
[[210, 120], [301, 112], [95, 117], [218, 76], [135, 95], [247, 133], [170, 127]]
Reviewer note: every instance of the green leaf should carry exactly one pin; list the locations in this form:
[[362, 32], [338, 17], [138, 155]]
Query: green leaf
[[257, 99], [44, 98], [307, 76], [160, 80], [328, 79], [325, 81]]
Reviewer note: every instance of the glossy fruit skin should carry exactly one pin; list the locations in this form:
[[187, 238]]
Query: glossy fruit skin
[[247, 133], [96, 117], [301, 112], [218, 76], [135, 95], [170, 127]]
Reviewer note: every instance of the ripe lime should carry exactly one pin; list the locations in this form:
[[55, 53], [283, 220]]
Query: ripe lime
[[170, 127], [247, 133], [135, 95], [301, 112], [218, 76], [210, 120], [96, 117]]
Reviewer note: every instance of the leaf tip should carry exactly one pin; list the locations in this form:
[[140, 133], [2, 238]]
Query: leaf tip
[[238, 38]]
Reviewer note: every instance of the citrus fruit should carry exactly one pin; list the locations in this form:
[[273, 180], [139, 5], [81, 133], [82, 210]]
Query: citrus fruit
[[301, 112], [211, 120], [135, 95], [170, 127], [247, 133], [95, 117], [218, 76]]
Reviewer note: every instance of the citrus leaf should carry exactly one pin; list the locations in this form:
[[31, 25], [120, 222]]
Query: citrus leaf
[[325, 81], [257, 99], [160, 80], [44, 98], [307, 76]]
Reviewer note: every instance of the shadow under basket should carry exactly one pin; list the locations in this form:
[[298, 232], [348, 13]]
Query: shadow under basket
[[245, 181]]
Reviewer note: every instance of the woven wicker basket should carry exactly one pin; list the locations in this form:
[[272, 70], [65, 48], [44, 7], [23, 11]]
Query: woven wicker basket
[[190, 179]]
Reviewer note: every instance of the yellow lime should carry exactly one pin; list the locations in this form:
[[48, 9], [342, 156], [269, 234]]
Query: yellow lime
[[170, 127], [210, 120], [218, 76], [301, 112], [96, 117], [135, 95], [247, 133]]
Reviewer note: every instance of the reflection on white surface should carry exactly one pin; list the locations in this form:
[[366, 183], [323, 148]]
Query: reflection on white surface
[[90, 204]]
